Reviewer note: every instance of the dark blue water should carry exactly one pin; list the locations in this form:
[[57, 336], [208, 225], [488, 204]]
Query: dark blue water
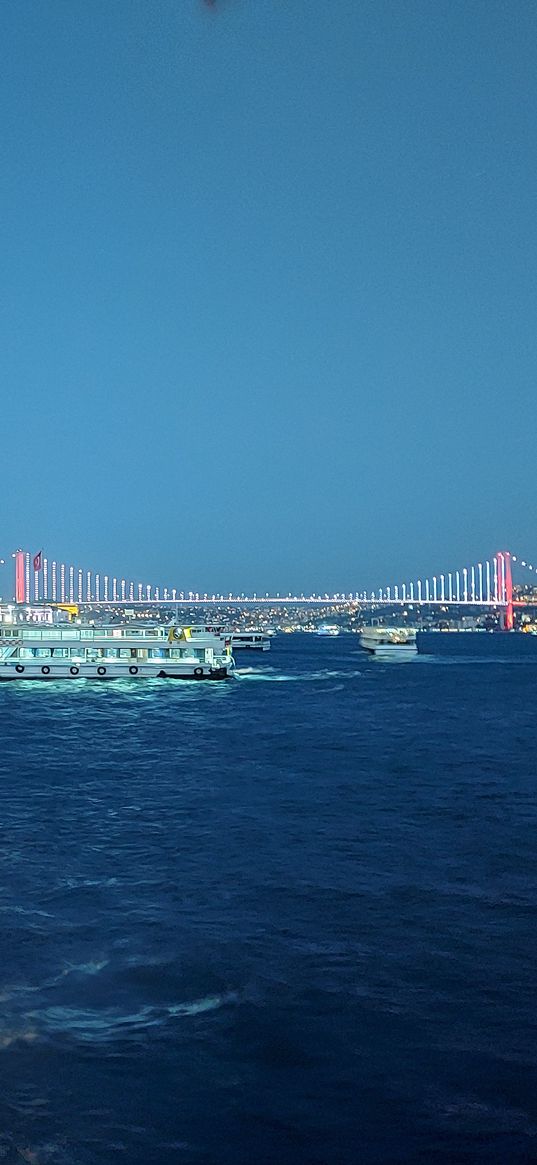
[[286, 919]]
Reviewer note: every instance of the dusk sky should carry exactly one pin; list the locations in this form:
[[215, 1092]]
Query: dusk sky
[[269, 287]]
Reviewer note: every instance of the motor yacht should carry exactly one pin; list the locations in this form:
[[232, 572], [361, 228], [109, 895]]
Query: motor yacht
[[389, 642]]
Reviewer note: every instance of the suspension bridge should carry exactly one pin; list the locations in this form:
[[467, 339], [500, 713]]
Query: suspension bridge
[[487, 584]]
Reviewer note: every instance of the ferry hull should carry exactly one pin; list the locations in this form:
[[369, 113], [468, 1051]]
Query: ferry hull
[[112, 671], [398, 652]]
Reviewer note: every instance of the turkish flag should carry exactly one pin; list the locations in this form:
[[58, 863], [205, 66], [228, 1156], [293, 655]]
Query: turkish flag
[[38, 560]]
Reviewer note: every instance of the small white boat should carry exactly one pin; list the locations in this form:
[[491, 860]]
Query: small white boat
[[250, 640], [389, 642], [328, 629], [70, 651]]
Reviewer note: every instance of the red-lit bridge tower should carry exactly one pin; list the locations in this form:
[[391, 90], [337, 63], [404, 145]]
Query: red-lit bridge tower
[[20, 577], [505, 587]]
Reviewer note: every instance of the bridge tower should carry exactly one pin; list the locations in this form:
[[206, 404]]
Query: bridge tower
[[505, 588], [20, 577]]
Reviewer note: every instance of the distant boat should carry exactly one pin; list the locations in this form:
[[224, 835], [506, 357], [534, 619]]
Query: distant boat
[[389, 642], [328, 629], [250, 640]]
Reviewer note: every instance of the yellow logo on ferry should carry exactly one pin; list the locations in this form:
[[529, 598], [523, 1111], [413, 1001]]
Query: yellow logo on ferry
[[178, 634]]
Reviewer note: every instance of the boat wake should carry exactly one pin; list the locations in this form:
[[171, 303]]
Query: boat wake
[[270, 675], [106, 1025]]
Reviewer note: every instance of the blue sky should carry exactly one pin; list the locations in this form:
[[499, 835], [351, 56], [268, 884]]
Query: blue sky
[[268, 287]]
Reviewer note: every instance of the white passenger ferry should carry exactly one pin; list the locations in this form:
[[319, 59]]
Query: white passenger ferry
[[328, 629], [250, 640], [389, 642], [77, 651]]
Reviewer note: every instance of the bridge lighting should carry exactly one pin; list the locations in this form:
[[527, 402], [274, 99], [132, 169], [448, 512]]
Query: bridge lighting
[[98, 587], [480, 581], [442, 589], [419, 590], [45, 578], [396, 594], [131, 592], [495, 565], [434, 588], [148, 592], [472, 584], [388, 593], [458, 586], [487, 572], [79, 587], [465, 584], [412, 592], [54, 583], [174, 593], [157, 594], [88, 586], [450, 587], [71, 584], [62, 582], [114, 590]]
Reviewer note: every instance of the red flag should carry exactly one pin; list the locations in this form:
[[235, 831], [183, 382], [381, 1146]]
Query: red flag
[[38, 560]]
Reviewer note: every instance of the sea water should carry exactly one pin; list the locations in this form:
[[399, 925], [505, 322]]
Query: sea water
[[287, 918]]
